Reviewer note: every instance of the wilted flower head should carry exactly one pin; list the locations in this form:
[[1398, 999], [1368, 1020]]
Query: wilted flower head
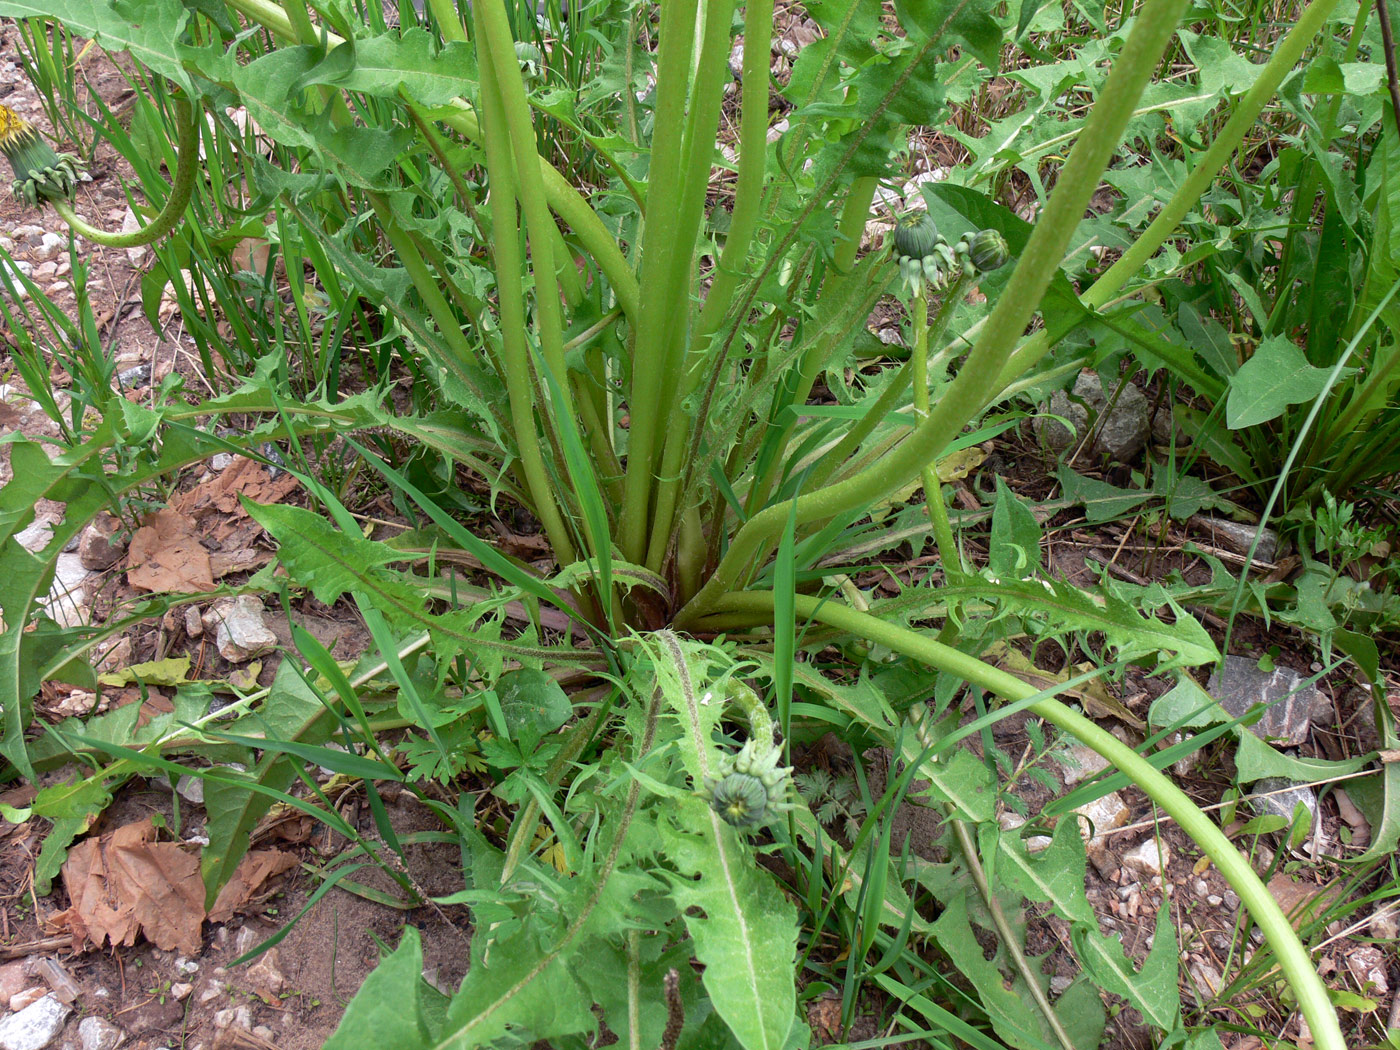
[[40, 173]]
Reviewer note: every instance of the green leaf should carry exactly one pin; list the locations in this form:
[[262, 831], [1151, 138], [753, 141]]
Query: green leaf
[[1255, 760], [388, 1009], [1012, 1011], [1055, 876], [1153, 988], [1278, 375], [292, 712], [1015, 545], [1102, 501], [148, 29], [389, 64], [532, 702], [745, 930]]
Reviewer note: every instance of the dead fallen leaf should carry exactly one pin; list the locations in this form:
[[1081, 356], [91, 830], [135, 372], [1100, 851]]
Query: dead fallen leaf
[[1360, 826], [166, 555], [221, 563], [1299, 900], [214, 503], [252, 872], [125, 883]]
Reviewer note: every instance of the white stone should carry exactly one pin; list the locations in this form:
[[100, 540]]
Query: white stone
[[220, 460], [34, 1027], [1101, 816], [182, 989], [1079, 762], [1383, 925], [194, 624], [1367, 964], [67, 602], [240, 632], [1150, 858], [212, 990], [235, 1017], [30, 995], [97, 1033], [36, 537]]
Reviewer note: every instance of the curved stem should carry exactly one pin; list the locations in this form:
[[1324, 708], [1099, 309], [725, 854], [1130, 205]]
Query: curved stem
[[1293, 957], [1040, 259], [181, 189]]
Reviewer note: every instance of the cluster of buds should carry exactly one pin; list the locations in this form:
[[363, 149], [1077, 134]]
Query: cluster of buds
[[925, 257], [40, 173], [750, 788]]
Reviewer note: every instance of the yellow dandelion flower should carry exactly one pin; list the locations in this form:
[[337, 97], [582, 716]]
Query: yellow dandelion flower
[[40, 173]]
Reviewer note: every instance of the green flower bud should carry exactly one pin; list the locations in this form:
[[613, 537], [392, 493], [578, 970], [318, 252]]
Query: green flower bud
[[988, 250], [750, 788], [40, 173], [915, 237]]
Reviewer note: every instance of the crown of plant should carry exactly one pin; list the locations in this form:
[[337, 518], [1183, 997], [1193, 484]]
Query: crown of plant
[[40, 173], [750, 788]]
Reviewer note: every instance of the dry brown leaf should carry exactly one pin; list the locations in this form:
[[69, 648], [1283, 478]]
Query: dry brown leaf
[[221, 563], [166, 555], [253, 870], [217, 498], [1299, 900], [125, 883]]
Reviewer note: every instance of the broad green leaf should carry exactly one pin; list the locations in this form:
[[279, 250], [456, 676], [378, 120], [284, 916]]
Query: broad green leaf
[[1011, 1010], [1278, 375], [1055, 876], [1015, 544], [1101, 501], [1153, 987], [147, 29], [532, 702], [388, 1009], [744, 929], [390, 64], [1255, 760], [291, 712]]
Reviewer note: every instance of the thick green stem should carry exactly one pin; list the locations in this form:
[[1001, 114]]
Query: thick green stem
[[181, 189], [748, 197], [665, 267], [515, 353], [965, 396], [1293, 957], [493, 35]]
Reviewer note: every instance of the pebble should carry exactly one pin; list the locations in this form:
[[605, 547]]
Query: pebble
[[194, 624], [1060, 984], [1079, 762], [212, 990], [58, 286], [235, 1017], [1104, 814], [1383, 924], [1200, 887], [239, 630], [1206, 978], [30, 995], [35, 537], [1367, 964], [44, 271], [101, 543], [1239, 685], [182, 989], [1120, 432], [183, 965], [14, 978], [1215, 900], [220, 460], [34, 1027], [67, 601], [1231, 899], [1149, 858], [97, 1033]]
